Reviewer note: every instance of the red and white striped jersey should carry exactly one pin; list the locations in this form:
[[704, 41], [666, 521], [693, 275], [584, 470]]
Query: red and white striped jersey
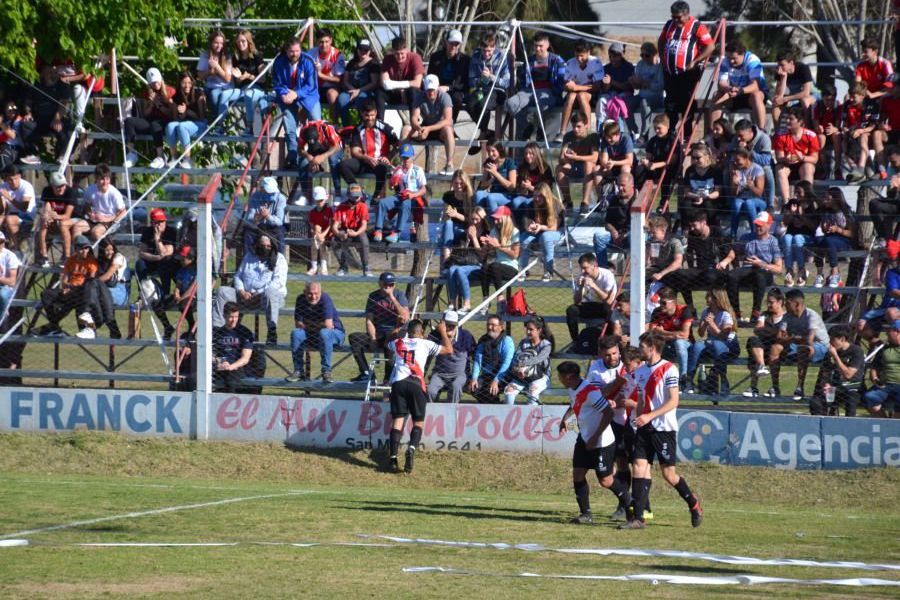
[[375, 142], [681, 44], [410, 356], [653, 383], [588, 404], [599, 373]]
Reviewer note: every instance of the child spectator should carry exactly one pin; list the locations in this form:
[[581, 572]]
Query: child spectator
[[861, 132], [577, 161], [649, 83], [321, 219], [874, 71], [616, 153], [796, 152], [351, 220], [827, 116], [656, 153], [408, 182]]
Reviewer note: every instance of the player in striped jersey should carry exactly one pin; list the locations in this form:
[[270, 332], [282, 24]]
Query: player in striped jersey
[[656, 425], [595, 446]]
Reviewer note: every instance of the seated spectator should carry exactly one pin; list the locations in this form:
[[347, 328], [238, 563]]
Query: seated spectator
[[104, 205], [488, 82], [544, 228], [185, 282], [492, 360], [827, 114], [649, 82], [886, 376], [157, 251], [295, 79], [841, 376], [861, 133], [799, 223], [265, 214], [247, 64], [259, 282], [794, 86], [870, 321], [701, 189], [361, 83], [584, 76], [112, 271], [232, 350], [432, 119], [72, 292], [214, 70], [451, 65], [706, 246], [458, 206], [46, 108], [796, 152], [873, 70], [530, 366], [616, 80], [656, 155], [615, 232], [317, 325], [154, 111], [408, 183], [374, 143], [500, 252], [318, 143], [594, 296], [351, 220], [17, 205], [321, 220], [674, 323], [760, 259], [886, 211], [839, 229], [402, 73], [889, 113], [58, 202], [665, 252], [721, 141], [187, 121], [747, 187], [387, 312], [759, 145], [543, 78], [330, 66], [578, 158], [620, 318], [451, 371], [499, 177], [742, 84], [616, 154], [9, 273], [802, 337], [532, 171], [10, 134], [719, 326], [465, 261], [759, 345]]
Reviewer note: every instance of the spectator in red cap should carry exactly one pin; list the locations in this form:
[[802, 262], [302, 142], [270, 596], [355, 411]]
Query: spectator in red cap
[[157, 256], [500, 251]]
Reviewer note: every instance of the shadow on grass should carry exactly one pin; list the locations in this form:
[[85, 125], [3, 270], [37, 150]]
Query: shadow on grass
[[447, 506], [453, 511], [347, 455], [698, 570]]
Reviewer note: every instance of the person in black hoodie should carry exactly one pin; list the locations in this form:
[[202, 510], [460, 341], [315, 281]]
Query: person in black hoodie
[[451, 65]]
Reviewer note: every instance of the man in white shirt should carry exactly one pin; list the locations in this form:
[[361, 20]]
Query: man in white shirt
[[9, 271], [105, 205], [408, 396], [593, 298], [16, 203], [595, 446], [656, 424], [584, 75]]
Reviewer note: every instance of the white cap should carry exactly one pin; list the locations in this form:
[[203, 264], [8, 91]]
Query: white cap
[[451, 316], [432, 82], [153, 75], [2, 237], [454, 36], [269, 185], [319, 193], [86, 318]]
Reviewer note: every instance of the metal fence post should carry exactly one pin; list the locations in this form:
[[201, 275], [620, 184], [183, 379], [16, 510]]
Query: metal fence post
[[638, 289], [205, 249]]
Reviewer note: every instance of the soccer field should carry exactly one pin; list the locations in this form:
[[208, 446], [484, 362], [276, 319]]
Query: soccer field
[[108, 515]]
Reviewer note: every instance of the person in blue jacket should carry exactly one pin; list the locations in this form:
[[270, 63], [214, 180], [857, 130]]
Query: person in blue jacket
[[493, 357], [546, 72], [296, 85]]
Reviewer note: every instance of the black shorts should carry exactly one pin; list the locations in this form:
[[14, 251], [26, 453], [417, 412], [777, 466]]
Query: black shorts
[[408, 398], [601, 460], [624, 440], [649, 443]]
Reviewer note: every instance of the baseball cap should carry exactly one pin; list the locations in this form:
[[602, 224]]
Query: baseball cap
[[432, 82], [407, 151], [153, 75], [502, 211], [387, 277], [185, 251], [319, 193], [454, 36], [269, 185], [81, 241], [892, 249], [763, 218], [617, 48], [157, 215], [364, 43], [451, 316], [57, 179]]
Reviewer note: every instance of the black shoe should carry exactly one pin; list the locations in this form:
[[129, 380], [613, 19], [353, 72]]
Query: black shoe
[[583, 519], [272, 337], [326, 377], [633, 524], [294, 377], [362, 377], [410, 455], [167, 332], [114, 332], [394, 465], [696, 514]]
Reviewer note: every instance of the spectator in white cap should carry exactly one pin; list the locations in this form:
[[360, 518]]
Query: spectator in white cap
[[321, 218], [9, 271], [432, 119], [58, 201], [451, 65], [451, 371], [265, 213], [153, 112]]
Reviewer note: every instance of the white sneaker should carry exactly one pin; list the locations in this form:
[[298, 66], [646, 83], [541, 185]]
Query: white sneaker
[[789, 280], [87, 333], [341, 272], [762, 371], [820, 280], [448, 170], [301, 200], [158, 163], [172, 163], [186, 163], [313, 270], [31, 159], [131, 159], [323, 267]]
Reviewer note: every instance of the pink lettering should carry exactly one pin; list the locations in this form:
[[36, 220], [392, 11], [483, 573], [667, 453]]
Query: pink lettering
[[282, 414], [335, 420], [369, 418], [466, 416], [248, 417], [532, 426], [511, 424], [228, 415], [434, 425], [316, 422], [488, 427], [551, 430]]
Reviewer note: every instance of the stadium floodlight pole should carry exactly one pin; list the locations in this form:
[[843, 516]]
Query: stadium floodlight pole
[[203, 346], [499, 290], [638, 257]]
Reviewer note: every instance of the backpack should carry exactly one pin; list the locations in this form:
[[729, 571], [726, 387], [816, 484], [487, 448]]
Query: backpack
[[517, 305], [586, 343]]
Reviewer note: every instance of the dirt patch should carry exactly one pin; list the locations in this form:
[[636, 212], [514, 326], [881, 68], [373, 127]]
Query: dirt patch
[[158, 585]]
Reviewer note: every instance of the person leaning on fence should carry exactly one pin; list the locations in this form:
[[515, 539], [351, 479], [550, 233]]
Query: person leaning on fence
[[451, 65], [316, 325], [500, 249], [801, 337], [402, 73], [374, 144], [541, 86], [841, 376], [259, 282], [9, 273], [361, 82], [584, 76], [765, 333], [17, 204], [295, 80], [351, 220], [188, 120], [673, 323], [615, 233], [488, 69], [530, 366], [492, 359], [153, 112], [321, 221], [318, 143], [232, 349], [432, 119], [265, 214], [57, 212], [593, 297], [706, 246], [387, 312], [760, 259], [885, 374], [451, 371], [578, 158]]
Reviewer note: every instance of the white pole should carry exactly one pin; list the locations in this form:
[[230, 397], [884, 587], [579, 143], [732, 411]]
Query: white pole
[[203, 348], [638, 290]]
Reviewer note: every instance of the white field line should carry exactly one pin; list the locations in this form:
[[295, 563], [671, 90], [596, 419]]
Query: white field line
[[88, 482], [146, 513]]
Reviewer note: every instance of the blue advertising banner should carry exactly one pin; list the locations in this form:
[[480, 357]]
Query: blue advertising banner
[[787, 441], [855, 443]]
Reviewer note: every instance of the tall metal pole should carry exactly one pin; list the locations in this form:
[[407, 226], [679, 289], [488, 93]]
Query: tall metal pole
[[638, 257], [203, 348]]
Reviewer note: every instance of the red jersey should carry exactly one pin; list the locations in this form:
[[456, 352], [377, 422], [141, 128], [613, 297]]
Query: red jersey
[[890, 111], [680, 44], [320, 134], [351, 216], [323, 218], [824, 116], [877, 75], [674, 322], [806, 145]]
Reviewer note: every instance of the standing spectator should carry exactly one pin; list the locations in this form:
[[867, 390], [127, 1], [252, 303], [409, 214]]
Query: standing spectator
[[839, 229], [330, 66], [432, 119], [259, 282], [501, 249], [801, 337], [361, 83], [316, 325], [701, 188], [841, 376], [594, 296], [795, 85], [759, 345], [9, 273], [232, 349], [188, 119], [450, 371], [103, 203], [544, 78], [796, 152], [408, 181], [319, 143], [214, 70], [351, 219], [759, 145], [16, 204], [615, 232], [247, 64], [684, 44], [499, 177], [584, 76], [373, 145], [543, 227], [58, 202], [747, 186], [402, 73], [157, 257], [799, 225], [673, 324], [577, 161], [387, 312], [649, 82], [530, 366], [706, 246], [719, 325], [295, 79], [265, 214], [873, 70], [153, 114], [532, 172], [827, 115], [451, 65], [493, 357], [488, 69], [742, 85], [761, 258], [886, 375], [321, 221]]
